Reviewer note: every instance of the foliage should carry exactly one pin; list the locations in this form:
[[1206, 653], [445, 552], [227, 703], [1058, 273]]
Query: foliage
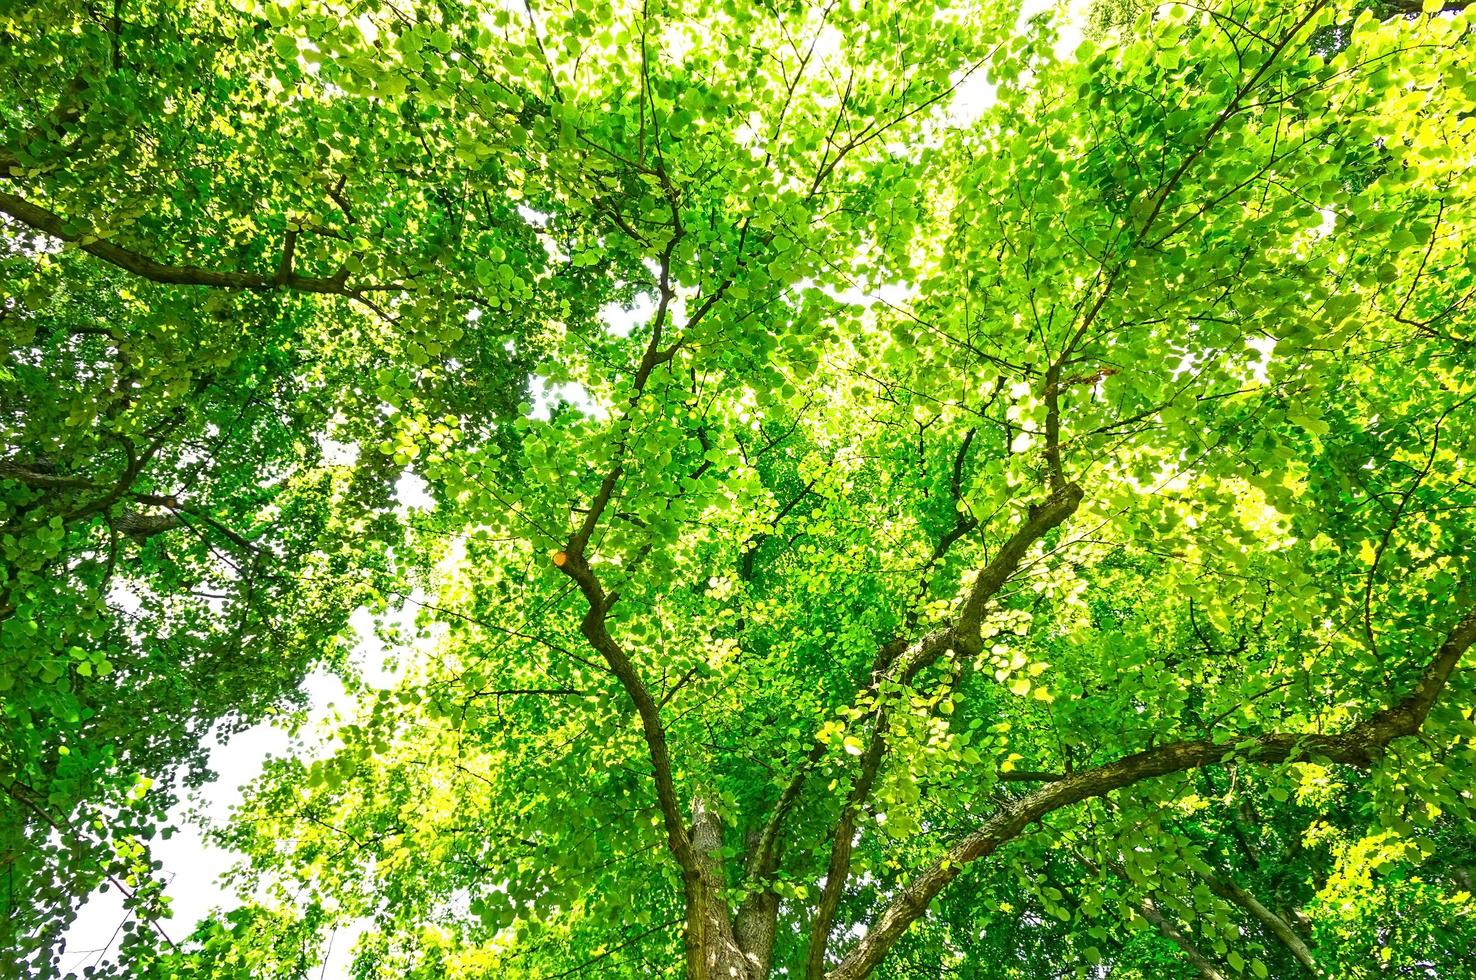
[[1019, 540]]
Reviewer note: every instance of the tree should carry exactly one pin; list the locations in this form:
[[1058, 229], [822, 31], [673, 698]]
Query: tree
[[1024, 540]]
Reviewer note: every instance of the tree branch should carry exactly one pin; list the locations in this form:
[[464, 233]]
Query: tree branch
[[1360, 746], [1269, 920], [140, 265], [1149, 910], [962, 636]]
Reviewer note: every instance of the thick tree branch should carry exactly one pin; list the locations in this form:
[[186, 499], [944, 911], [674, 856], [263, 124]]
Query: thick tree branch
[[1360, 746], [843, 840], [705, 907], [140, 265], [131, 522], [962, 636], [1269, 920], [596, 631], [712, 949]]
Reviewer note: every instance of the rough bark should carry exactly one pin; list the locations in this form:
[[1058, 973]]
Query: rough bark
[[1273, 923], [713, 952], [757, 918], [142, 526]]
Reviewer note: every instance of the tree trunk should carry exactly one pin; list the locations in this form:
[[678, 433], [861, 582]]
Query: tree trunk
[[712, 948], [757, 918]]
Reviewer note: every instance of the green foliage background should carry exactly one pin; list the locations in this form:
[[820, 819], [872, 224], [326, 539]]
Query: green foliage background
[[1025, 540]]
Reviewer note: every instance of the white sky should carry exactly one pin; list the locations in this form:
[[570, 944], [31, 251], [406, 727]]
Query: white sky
[[192, 865]]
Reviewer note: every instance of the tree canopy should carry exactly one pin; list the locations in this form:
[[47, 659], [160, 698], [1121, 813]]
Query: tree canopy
[[905, 499]]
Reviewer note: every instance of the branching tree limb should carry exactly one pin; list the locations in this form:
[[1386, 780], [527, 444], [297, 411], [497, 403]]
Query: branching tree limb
[[49, 223], [1360, 746]]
